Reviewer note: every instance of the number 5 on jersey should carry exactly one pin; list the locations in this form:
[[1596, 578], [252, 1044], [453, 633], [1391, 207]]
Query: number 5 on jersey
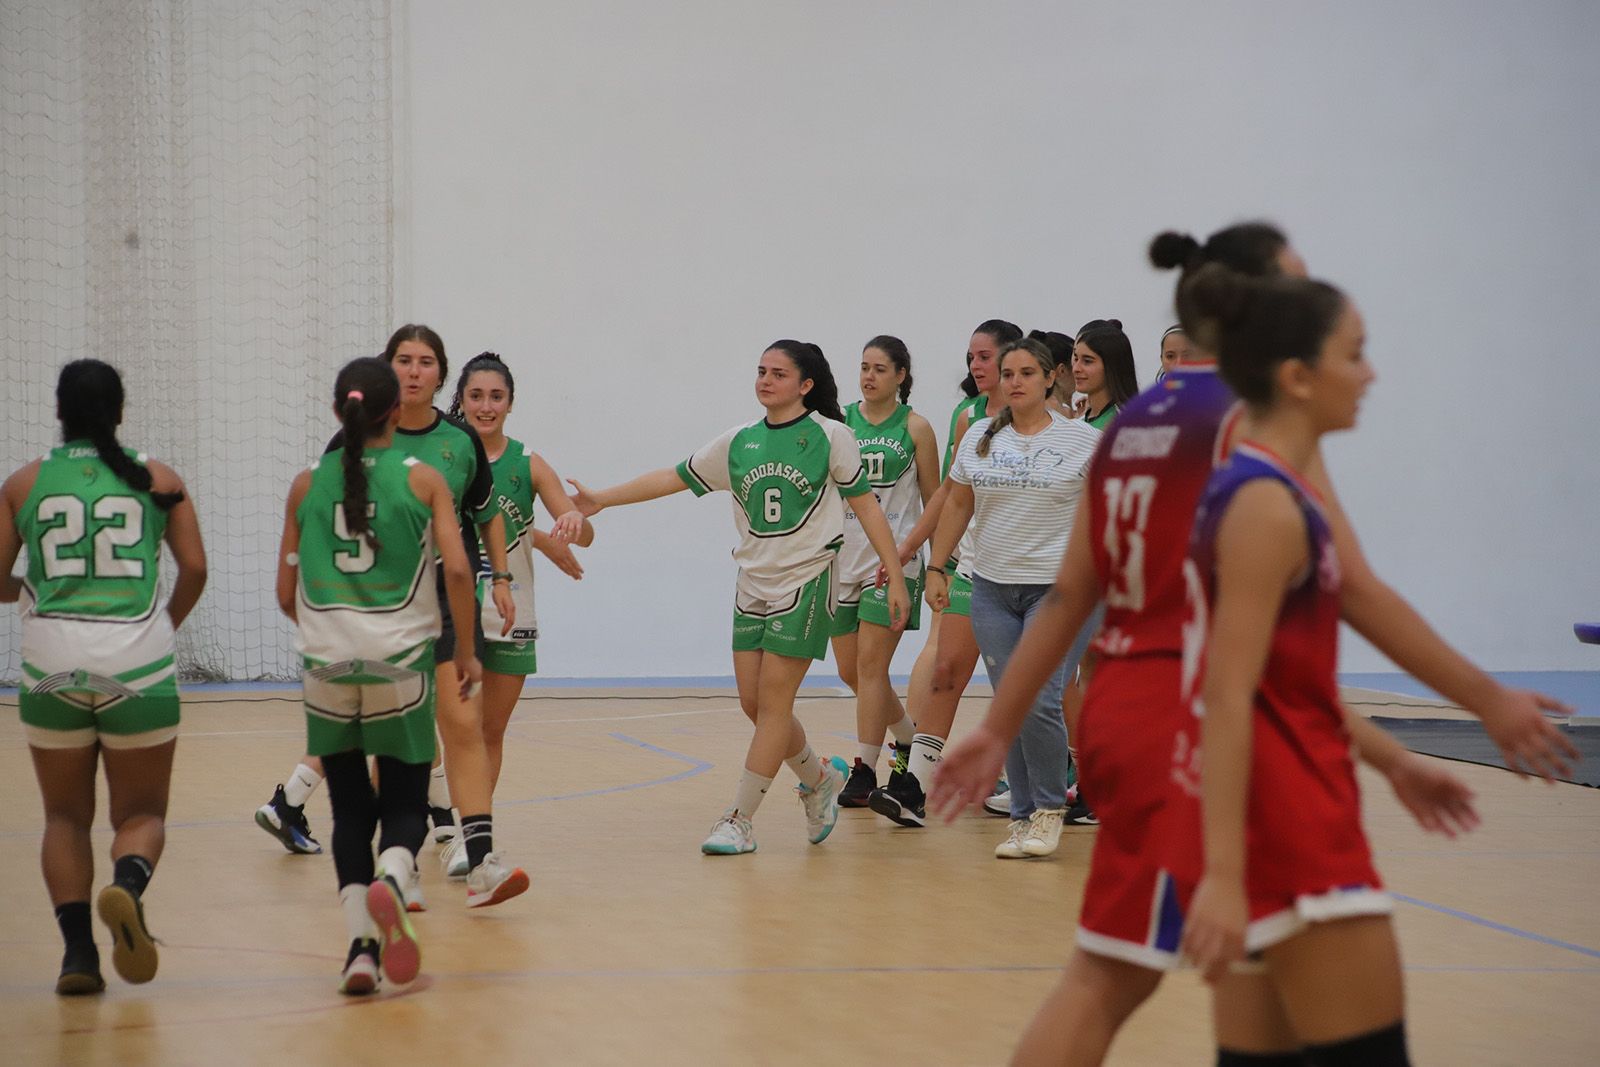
[[1127, 513], [360, 558]]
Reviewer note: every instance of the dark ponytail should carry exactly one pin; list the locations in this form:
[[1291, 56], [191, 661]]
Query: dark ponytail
[[1262, 322], [364, 394], [1047, 363], [89, 404], [808, 358], [482, 361], [1003, 333], [899, 355], [1248, 248]]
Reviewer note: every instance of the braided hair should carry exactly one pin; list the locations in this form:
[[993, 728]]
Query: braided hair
[[89, 404], [364, 394]]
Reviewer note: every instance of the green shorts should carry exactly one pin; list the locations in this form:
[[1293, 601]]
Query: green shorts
[[510, 657], [960, 596], [869, 603], [797, 625], [379, 707], [73, 709]]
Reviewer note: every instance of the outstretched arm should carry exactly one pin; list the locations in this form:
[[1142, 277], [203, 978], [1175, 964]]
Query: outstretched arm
[[652, 486]]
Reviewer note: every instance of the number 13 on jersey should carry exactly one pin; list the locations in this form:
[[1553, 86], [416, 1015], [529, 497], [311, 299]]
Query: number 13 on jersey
[[1127, 513]]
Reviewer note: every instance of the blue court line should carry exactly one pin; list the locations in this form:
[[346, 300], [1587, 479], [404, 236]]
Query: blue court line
[[1478, 920], [697, 766]]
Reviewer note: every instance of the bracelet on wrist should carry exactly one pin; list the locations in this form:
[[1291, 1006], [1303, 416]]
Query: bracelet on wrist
[[499, 576]]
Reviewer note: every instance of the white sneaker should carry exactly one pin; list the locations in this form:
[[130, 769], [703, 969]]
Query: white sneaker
[[822, 803], [1011, 847], [453, 857], [1044, 832], [442, 834], [493, 882], [411, 889], [360, 975], [732, 836]]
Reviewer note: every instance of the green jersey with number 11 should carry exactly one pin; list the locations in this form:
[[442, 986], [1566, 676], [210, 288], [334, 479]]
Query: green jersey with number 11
[[786, 481]]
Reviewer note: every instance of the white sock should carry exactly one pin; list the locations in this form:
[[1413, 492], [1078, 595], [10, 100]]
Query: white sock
[[806, 767], [397, 862], [747, 798], [438, 789], [926, 752], [904, 730], [357, 923], [869, 755], [301, 784]]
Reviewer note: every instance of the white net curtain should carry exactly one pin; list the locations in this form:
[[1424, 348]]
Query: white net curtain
[[199, 193]]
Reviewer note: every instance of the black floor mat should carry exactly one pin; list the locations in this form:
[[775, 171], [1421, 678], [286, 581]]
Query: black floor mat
[[1466, 741]]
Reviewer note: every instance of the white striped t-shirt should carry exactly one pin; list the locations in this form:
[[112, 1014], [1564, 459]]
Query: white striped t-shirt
[[1025, 494]]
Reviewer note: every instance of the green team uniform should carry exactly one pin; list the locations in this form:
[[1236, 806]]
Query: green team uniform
[[367, 616], [1102, 420], [890, 457], [97, 649], [513, 494], [961, 578], [787, 482]]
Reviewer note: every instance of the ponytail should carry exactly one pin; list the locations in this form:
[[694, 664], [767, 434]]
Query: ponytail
[[364, 394], [89, 402], [996, 424]]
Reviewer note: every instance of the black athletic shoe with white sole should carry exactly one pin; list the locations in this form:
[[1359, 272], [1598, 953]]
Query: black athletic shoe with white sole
[[863, 780], [901, 801]]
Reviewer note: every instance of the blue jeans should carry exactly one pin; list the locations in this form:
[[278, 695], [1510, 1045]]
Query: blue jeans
[[1036, 767]]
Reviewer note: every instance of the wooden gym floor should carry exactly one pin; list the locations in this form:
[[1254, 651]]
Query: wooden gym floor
[[883, 945]]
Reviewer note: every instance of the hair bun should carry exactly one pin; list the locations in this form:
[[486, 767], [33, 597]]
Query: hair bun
[[1222, 295], [1170, 250], [1115, 324]]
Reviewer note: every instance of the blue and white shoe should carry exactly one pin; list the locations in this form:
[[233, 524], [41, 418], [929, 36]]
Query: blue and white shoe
[[288, 824], [822, 803], [732, 836]]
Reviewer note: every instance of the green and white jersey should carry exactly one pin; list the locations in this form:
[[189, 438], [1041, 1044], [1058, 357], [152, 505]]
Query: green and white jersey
[[94, 543], [94, 551], [513, 494], [357, 602], [890, 457], [786, 482], [979, 406]]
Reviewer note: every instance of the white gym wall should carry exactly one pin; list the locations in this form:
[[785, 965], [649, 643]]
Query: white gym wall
[[629, 200]]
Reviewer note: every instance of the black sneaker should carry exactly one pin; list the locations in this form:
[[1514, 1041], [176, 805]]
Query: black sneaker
[[287, 823], [1080, 814], [863, 780], [80, 971], [901, 801], [134, 951]]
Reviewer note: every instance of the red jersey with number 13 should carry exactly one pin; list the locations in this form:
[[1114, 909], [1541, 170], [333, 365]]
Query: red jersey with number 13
[[1145, 482]]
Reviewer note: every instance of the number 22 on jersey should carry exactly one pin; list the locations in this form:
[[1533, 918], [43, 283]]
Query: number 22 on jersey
[[1127, 513]]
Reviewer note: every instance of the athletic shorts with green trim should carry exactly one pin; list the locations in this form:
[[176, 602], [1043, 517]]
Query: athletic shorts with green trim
[[74, 708], [510, 657], [960, 596], [867, 602], [379, 707], [797, 625]]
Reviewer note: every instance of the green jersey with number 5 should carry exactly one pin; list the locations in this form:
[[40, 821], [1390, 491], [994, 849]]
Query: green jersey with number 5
[[356, 601], [786, 482], [94, 543]]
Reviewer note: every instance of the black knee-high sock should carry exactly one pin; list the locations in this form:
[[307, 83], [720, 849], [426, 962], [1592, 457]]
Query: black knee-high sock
[[355, 816], [403, 804], [1230, 1058], [73, 918], [1380, 1048]]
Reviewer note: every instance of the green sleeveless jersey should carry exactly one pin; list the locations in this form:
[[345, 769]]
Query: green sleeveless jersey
[[513, 495], [890, 457], [979, 406], [93, 541], [786, 482], [1103, 419], [356, 601]]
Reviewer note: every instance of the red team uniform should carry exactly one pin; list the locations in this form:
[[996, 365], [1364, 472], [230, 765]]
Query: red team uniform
[[1145, 482], [1306, 855]]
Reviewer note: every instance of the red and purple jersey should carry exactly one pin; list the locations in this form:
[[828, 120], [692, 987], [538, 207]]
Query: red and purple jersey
[[1145, 482], [1303, 835]]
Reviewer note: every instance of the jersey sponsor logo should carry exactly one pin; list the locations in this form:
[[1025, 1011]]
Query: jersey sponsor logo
[[448, 456], [889, 444], [793, 475], [800, 443], [524, 633], [777, 626], [752, 444], [1144, 442], [81, 453], [90, 473]]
